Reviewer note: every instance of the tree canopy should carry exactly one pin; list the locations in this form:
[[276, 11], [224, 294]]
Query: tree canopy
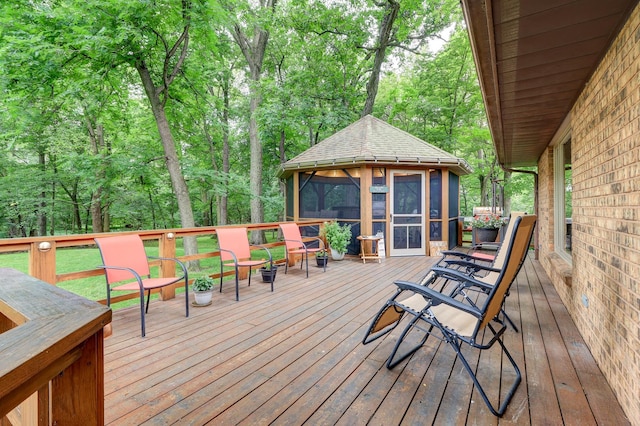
[[117, 114]]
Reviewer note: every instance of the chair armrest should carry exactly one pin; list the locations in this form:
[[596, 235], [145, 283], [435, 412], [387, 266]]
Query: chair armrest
[[122, 268], [437, 297], [462, 278], [471, 265], [454, 253], [235, 258], [265, 249], [322, 247], [302, 244], [172, 259]]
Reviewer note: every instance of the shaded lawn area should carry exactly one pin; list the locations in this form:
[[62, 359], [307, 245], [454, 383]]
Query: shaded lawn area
[[94, 288]]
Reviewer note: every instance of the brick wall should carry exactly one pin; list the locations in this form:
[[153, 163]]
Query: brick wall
[[605, 138]]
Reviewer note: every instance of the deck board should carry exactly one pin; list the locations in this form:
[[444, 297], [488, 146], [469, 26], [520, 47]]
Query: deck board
[[295, 356]]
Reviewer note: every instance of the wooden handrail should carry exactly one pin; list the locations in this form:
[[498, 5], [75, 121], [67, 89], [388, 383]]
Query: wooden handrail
[[50, 339], [42, 251]]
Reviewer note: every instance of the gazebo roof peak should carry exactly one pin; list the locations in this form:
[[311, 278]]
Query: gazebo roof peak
[[373, 141]]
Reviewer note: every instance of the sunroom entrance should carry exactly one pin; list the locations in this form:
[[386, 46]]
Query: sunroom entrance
[[406, 217]]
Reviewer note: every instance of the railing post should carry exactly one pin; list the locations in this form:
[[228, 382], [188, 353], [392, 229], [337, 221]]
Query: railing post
[[167, 248], [42, 261], [78, 392]]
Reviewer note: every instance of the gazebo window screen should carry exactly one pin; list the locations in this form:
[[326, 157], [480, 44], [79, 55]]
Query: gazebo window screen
[[289, 198], [435, 205], [454, 208], [332, 194], [379, 200]]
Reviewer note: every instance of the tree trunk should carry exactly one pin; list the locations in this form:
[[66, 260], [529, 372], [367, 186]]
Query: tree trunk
[[171, 159], [390, 15], [223, 200], [96, 137], [255, 174], [42, 215], [253, 52]]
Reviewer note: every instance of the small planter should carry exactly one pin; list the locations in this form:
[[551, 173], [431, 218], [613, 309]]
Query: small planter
[[202, 290], [203, 297], [486, 235], [268, 273], [336, 255], [321, 261]]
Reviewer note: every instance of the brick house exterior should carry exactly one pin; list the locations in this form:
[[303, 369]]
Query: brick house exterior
[[599, 283]]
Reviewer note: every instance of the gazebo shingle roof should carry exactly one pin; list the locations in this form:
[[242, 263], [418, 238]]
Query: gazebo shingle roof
[[371, 140]]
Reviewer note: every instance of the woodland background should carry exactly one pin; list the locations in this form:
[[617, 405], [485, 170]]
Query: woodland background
[[121, 114]]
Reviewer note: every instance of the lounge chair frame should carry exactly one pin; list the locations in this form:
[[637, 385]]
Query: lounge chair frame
[[453, 320]]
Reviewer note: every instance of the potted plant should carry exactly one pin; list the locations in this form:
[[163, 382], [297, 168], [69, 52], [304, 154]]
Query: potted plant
[[487, 226], [322, 258], [267, 271], [338, 236], [203, 290]]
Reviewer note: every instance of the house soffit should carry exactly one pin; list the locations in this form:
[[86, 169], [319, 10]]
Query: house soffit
[[533, 60]]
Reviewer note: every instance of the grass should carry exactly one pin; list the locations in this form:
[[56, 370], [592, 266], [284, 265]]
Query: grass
[[94, 288]]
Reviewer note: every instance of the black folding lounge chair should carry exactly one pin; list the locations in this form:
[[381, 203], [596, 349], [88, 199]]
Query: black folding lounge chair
[[487, 273], [469, 261], [453, 318]]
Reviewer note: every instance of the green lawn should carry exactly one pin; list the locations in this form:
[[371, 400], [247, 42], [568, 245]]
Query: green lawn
[[94, 288]]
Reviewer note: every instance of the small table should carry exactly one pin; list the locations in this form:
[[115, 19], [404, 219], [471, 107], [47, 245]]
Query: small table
[[369, 247]]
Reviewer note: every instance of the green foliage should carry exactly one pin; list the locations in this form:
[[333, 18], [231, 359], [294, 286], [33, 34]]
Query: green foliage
[[68, 69], [203, 283], [338, 236], [487, 221]]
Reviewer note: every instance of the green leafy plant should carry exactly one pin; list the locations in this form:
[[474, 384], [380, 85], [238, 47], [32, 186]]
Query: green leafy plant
[[321, 253], [203, 283], [487, 221], [338, 236]]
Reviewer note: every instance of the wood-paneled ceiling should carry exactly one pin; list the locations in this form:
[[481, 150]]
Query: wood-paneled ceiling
[[534, 57]]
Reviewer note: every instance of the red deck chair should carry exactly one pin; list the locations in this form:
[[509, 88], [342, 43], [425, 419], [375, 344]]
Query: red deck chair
[[295, 245], [234, 246], [124, 260]]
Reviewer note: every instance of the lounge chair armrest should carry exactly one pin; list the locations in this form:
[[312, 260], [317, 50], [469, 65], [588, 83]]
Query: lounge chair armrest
[[454, 253], [436, 297], [461, 277], [472, 265]]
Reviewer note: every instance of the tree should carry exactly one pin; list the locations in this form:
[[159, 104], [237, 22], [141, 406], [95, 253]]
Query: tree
[[252, 35], [405, 25]]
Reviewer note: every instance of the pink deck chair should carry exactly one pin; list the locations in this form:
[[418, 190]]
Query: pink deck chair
[[125, 261], [234, 246], [295, 245]]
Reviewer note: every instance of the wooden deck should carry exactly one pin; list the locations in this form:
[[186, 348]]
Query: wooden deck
[[295, 357]]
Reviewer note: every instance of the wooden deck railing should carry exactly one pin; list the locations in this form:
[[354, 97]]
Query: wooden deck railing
[[51, 347], [51, 341], [42, 253]]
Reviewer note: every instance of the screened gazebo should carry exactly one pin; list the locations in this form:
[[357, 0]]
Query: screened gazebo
[[378, 179]]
